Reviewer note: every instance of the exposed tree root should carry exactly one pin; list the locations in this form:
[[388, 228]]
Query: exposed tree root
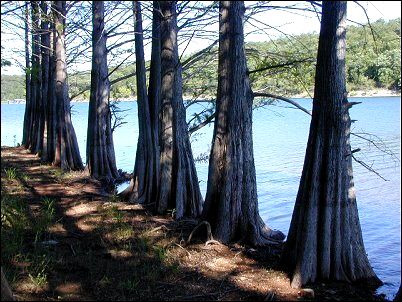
[[209, 233]]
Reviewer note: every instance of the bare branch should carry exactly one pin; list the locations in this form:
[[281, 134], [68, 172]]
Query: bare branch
[[269, 95]]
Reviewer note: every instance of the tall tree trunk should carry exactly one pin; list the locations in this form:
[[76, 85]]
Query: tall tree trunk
[[67, 155], [45, 47], [231, 204], [325, 239], [142, 187], [101, 161], [154, 89], [27, 114], [36, 79], [51, 114], [178, 180]]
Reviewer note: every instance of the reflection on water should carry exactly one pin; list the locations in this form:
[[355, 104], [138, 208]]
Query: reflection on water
[[280, 137]]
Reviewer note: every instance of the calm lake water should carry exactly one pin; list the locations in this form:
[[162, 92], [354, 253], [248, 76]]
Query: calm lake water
[[280, 136]]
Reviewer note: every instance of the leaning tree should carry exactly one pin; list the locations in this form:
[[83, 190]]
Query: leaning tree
[[325, 239], [100, 158], [231, 204]]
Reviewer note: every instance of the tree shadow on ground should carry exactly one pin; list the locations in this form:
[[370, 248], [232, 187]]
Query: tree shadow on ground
[[100, 248]]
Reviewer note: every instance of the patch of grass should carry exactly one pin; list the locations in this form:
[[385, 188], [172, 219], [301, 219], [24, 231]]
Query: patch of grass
[[123, 232], [59, 174], [114, 213], [13, 212], [18, 232], [142, 244], [46, 217], [105, 281], [129, 285], [11, 173], [38, 270], [160, 253], [115, 197], [25, 177]]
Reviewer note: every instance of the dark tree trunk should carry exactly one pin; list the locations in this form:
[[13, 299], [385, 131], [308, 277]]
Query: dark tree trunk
[[27, 114], [67, 155], [178, 182], [45, 46], [142, 188], [51, 114], [231, 204], [325, 239], [101, 161], [36, 79], [154, 89]]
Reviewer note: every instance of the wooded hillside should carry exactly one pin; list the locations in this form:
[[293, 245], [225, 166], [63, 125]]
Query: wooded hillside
[[372, 62]]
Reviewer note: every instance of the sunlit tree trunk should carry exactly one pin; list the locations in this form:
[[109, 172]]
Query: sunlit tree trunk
[[231, 204], [67, 155], [325, 239], [178, 182], [100, 158], [142, 186]]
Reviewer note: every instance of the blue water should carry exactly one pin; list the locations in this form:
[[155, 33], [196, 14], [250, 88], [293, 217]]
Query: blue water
[[280, 136]]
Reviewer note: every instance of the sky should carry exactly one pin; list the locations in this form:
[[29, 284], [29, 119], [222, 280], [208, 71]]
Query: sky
[[292, 22]]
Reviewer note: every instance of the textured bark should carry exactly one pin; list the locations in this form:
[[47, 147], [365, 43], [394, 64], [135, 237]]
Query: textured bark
[[34, 128], [154, 89], [101, 162], [231, 204], [45, 55], [49, 149], [325, 239], [67, 155], [27, 114], [142, 187], [178, 180]]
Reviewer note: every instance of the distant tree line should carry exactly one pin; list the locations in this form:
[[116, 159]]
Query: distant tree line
[[373, 61]]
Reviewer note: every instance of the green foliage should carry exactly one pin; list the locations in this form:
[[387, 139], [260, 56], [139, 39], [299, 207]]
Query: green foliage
[[371, 62], [11, 173], [19, 229]]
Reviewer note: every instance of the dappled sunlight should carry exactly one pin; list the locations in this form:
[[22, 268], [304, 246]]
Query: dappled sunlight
[[82, 209], [58, 229], [27, 285], [68, 288], [92, 236], [220, 265], [120, 254]]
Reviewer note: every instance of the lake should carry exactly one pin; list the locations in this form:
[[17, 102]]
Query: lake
[[280, 136]]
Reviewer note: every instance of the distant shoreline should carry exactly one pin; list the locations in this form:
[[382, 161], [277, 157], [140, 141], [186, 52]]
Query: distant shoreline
[[353, 94]]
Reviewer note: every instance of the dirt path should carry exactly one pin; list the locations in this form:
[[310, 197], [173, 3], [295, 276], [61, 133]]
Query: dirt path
[[99, 248]]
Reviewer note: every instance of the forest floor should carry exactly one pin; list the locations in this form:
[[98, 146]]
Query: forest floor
[[64, 238]]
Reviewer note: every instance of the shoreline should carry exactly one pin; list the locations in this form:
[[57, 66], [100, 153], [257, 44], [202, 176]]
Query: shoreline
[[90, 234], [352, 94]]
